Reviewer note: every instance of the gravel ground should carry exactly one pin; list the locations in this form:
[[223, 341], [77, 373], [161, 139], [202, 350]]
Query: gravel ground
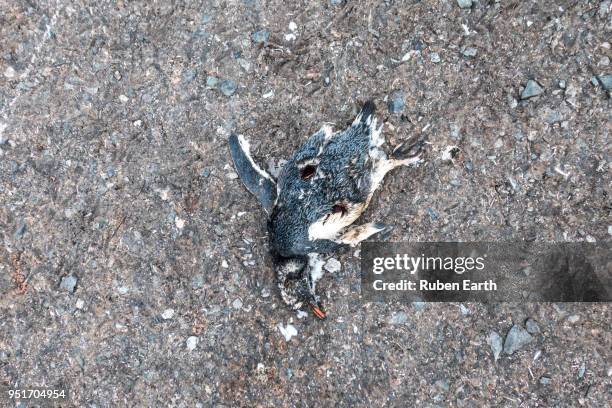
[[134, 268]]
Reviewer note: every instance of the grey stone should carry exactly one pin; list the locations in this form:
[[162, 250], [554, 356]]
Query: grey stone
[[435, 57], [581, 371], [469, 166], [228, 87], [442, 385], [604, 7], [419, 305], [398, 318], [532, 326], [545, 380], [189, 75], [192, 343], [237, 304], [197, 282], [68, 283], [167, 314], [495, 342], [532, 88], [606, 81], [332, 265], [464, 3], [212, 82], [396, 102], [260, 36], [469, 52], [516, 339], [552, 116], [432, 213], [573, 319], [21, 229]]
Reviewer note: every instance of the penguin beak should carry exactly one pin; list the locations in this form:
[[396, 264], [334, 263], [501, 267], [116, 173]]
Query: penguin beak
[[317, 310]]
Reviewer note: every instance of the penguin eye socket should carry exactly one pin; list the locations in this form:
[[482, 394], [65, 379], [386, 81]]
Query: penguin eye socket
[[339, 208], [308, 171]]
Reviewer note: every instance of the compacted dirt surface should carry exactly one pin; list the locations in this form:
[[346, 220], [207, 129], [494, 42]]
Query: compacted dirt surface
[[134, 266]]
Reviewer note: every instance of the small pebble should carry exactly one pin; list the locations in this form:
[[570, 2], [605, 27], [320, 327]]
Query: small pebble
[[469, 52], [573, 319], [212, 82], [532, 88], [260, 36], [532, 326], [292, 26], [189, 75], [435, 57], [464, 4], [398, 318], [419, 306], [604, 6], [432, 213], [68, 283], [228, 87], [396, 102], [265, 293], [495, 342], [80, 304], [237, 304], [332, 265], [562, 84], [545, 380], [606, 81], [288, 331], [9, 72], [123, 98], [443, 385], [516, 339], [21, 230], [581, 371], [167, 314], [197, 282], [192, 342]]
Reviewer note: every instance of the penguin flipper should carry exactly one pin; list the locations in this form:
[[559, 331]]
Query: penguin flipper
[[254, 178]]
